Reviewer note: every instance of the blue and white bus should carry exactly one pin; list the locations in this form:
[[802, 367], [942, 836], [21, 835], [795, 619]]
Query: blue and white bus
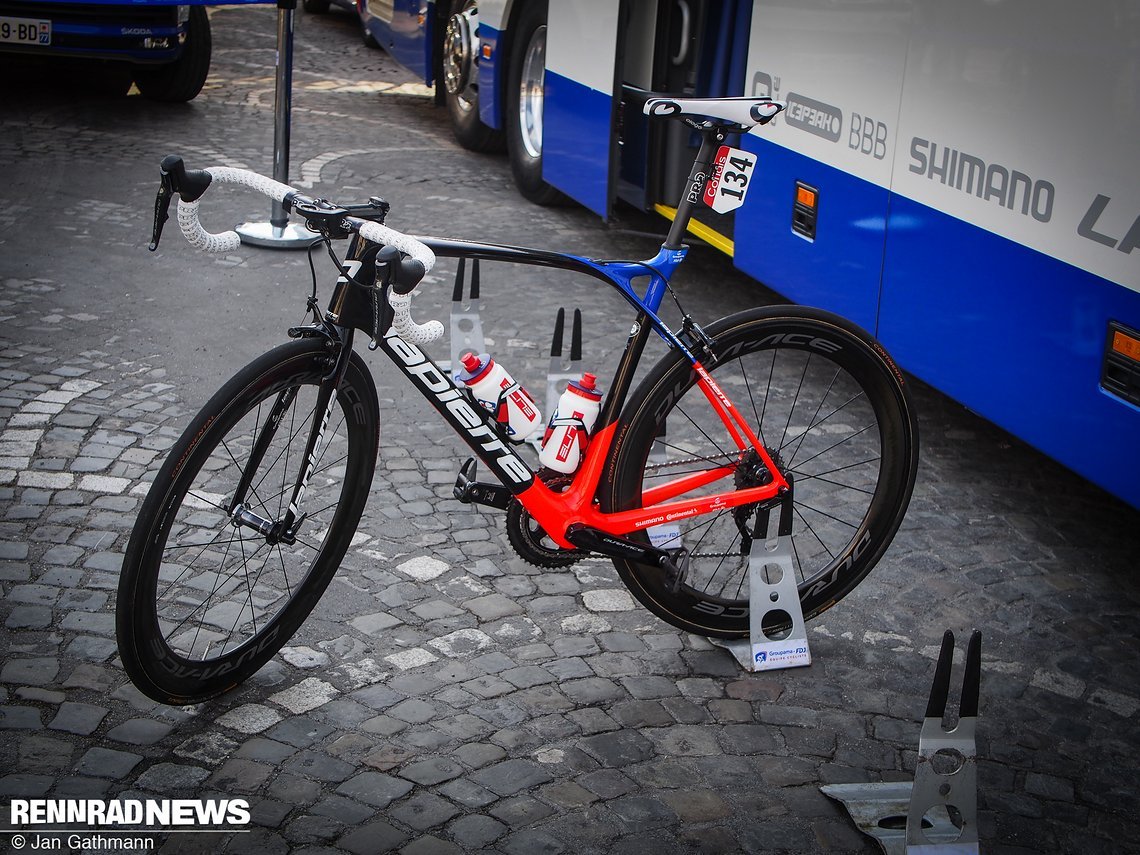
[[960, 179]]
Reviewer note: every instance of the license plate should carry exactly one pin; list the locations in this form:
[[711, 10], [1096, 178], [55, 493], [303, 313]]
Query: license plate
[[25, 31]]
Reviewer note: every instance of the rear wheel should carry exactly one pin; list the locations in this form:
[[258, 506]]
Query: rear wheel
[[526, 78], [211, 587], [830, 409]]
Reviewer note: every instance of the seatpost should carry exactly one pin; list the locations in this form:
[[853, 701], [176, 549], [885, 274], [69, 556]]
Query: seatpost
[[711, 138]]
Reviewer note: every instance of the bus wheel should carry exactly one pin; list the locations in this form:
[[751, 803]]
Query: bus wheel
[[460, 79], [525, 77]]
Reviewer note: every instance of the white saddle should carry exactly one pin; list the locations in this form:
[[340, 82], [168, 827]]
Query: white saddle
[[737, 111]]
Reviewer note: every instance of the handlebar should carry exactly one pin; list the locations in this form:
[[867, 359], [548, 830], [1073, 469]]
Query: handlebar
[[191, 185]]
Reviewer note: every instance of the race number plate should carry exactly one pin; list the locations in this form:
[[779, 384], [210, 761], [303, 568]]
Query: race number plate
[[25, 31], [732, 170]]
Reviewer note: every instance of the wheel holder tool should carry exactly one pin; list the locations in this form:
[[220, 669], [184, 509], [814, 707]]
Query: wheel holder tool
[[947, 773], [772, 590], [916, 818], [466, 325]]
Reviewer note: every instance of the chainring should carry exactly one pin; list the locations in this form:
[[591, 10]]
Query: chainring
[[529, 540]]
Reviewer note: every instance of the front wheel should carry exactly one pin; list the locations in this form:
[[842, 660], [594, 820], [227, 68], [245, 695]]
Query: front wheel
[[211, 586], [833, 413]]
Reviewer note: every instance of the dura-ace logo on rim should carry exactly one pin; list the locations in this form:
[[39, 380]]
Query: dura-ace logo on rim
[[455, 408]]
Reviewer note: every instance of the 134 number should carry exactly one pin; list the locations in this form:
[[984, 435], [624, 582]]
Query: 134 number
[[732, 170]]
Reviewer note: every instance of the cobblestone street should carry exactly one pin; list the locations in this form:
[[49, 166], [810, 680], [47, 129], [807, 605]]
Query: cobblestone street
[[445, 696]]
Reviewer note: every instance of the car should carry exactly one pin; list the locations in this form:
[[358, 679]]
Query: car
[[164, 49]]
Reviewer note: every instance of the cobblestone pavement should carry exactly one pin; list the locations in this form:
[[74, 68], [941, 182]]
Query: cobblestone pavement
[[572, 721]]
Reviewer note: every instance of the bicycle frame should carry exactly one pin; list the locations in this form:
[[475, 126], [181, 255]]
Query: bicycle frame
[[559, 513], [571, 517]]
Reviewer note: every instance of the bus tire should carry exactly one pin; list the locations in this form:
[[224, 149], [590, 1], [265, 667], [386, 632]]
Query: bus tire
[[524, 105], [460, 68]]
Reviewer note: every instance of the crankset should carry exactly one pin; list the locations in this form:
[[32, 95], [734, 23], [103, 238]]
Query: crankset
[[529, 540]]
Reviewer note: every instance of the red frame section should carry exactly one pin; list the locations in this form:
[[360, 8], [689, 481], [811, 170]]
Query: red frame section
[[557, 512]]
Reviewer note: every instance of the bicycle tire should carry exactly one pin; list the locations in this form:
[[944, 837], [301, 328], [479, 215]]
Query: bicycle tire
[[204, 602], [845, 423]]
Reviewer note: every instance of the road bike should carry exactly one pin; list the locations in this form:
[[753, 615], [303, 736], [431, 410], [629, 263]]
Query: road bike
[[779, 422]]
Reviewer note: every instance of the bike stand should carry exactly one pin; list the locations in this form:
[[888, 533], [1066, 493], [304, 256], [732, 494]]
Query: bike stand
[[773, 600], [937, 814], [560, 373], [466, 325]]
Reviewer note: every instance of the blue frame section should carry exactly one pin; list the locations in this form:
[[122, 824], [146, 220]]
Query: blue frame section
[[619, 274]]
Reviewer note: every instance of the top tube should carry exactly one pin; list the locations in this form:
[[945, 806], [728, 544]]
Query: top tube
[[620, 274]]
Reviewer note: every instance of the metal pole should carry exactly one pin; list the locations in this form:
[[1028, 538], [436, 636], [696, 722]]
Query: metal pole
[[279, 233]]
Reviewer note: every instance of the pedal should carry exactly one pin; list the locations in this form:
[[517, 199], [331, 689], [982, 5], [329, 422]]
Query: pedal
[[471, 492]]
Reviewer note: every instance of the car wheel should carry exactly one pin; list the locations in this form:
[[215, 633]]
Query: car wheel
[[182, 79]]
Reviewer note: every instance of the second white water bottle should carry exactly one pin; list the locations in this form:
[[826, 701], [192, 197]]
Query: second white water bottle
[[566, 437], [498, 393]]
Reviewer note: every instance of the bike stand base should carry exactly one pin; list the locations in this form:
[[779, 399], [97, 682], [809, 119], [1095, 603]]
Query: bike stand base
[[777, 601], [289, 236], [880, 811], [908, 818]]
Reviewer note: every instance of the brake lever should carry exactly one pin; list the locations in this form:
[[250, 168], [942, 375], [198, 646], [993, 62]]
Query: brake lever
[[161, 207]]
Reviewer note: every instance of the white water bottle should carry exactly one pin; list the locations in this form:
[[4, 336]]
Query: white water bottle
[[567, 435], [497, 392]]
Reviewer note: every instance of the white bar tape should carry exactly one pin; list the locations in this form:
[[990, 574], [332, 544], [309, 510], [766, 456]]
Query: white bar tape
[[191, 226], [197, 236], [255, 181], [406, 328], [405, 243]]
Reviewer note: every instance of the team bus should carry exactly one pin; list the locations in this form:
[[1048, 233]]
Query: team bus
[[960, 179]]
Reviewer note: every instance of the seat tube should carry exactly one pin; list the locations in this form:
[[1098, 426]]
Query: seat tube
[[698, 177]]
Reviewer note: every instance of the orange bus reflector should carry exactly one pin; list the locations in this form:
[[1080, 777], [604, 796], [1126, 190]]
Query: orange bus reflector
[[486, 51], [1126, 345], [805, 196]]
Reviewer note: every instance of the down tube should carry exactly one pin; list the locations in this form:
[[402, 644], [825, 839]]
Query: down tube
[[467, 419]]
